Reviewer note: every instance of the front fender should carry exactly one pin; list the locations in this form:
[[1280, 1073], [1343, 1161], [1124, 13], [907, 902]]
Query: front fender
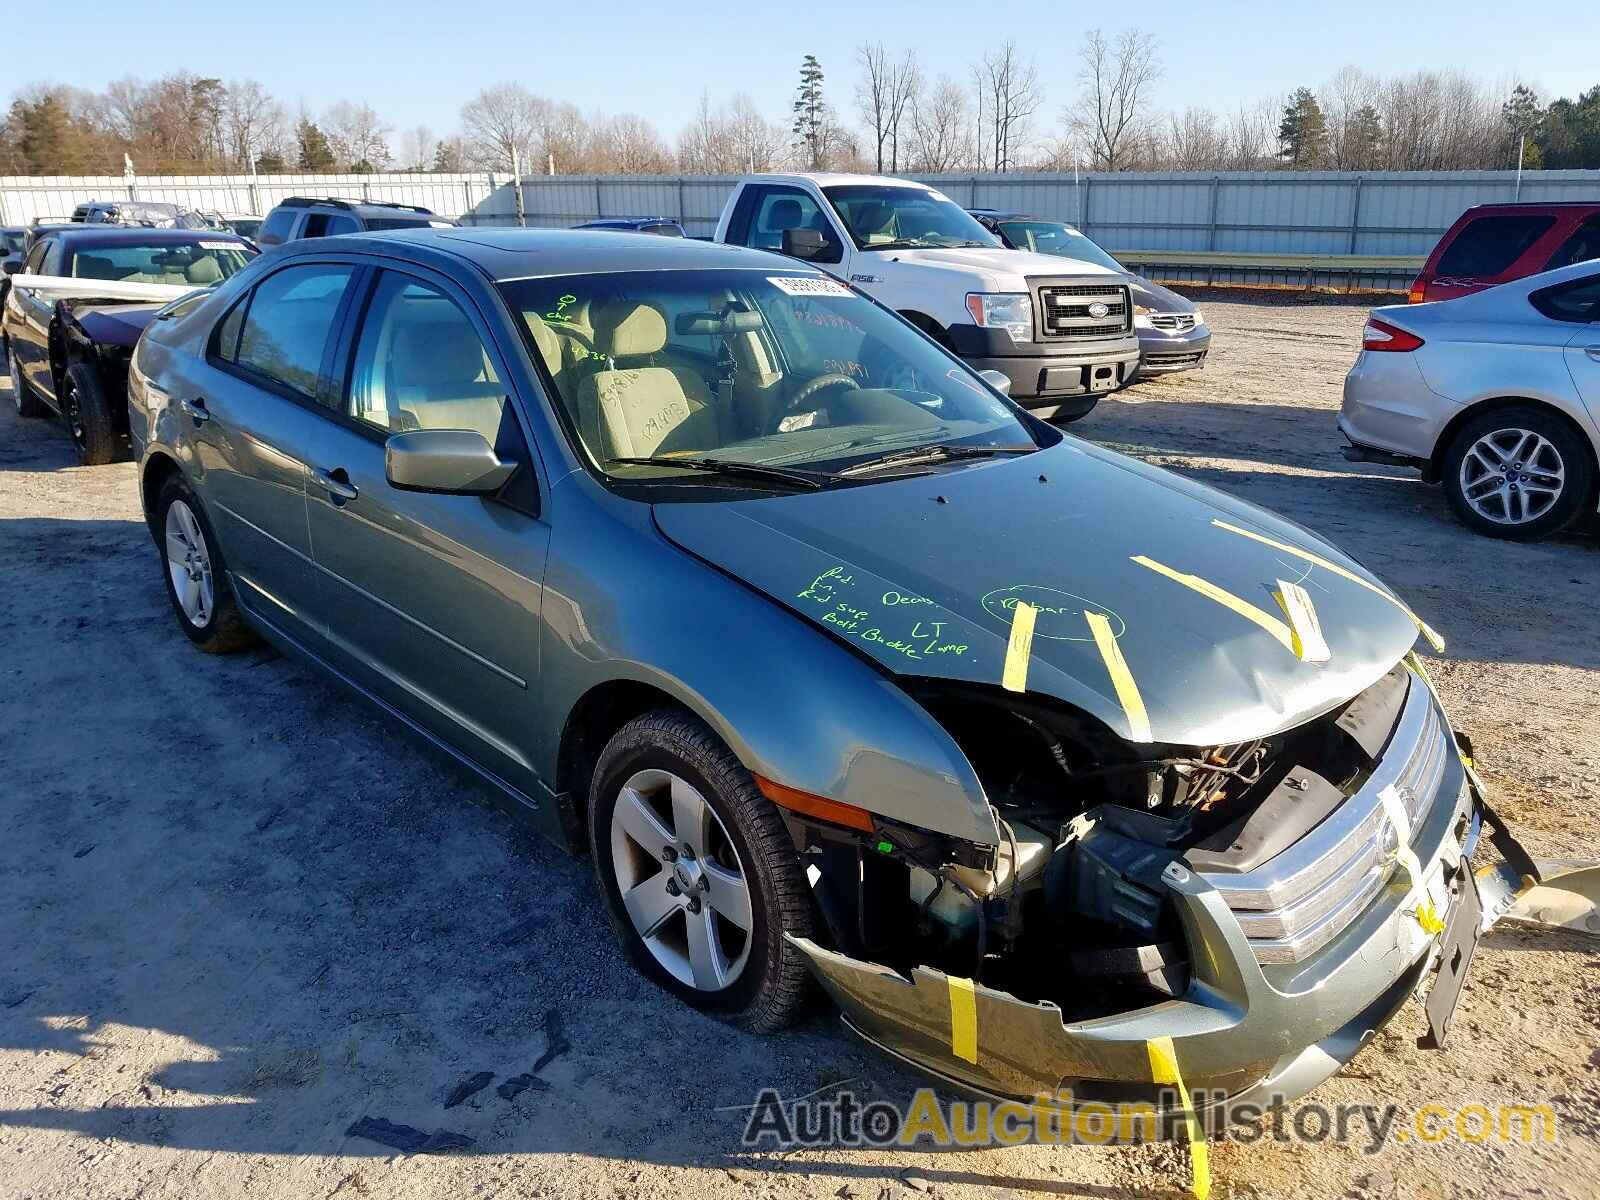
[[622, 603]]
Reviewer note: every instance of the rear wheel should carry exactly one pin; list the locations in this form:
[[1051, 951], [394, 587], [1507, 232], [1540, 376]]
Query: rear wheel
[[1517, 473], [28, 405], [197, 581], [700, 877], [87, 415]]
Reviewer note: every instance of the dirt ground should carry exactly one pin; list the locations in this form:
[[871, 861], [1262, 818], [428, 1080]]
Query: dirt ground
[[239, 911]]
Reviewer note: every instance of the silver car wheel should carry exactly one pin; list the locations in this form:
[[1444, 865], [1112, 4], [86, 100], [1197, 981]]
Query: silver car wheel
[[188, 564], [682, 883], [1512, 476], [16, 378]]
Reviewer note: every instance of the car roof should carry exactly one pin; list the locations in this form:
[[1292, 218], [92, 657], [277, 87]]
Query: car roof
[[601, 222], [836, 179], [1516, 206], [106, 235], [1008, 214], [503, 252], [367, 208]]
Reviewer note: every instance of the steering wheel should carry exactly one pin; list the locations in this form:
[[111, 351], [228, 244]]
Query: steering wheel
[[821, 383]]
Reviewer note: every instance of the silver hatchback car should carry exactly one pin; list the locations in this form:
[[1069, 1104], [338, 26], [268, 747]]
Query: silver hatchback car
[[839, 664]]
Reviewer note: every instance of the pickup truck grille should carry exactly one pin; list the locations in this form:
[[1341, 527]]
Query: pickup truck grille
[[1077, 310], [1300, 900]]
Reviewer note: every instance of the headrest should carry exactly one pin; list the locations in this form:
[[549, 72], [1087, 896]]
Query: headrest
[[629, 327], [873, 218], [545, 339], [92, 266], [203, 271], [436, 352], [784, 214]]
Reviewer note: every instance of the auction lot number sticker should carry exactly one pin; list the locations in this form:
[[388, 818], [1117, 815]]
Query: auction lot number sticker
[[807, 286]]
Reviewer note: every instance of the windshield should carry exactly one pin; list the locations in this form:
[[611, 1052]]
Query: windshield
[[761, 369], [899, 218], [13, 241], [191, 264], [1052, 237]]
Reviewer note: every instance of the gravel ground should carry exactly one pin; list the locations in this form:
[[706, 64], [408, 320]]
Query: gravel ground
[[241, 912]]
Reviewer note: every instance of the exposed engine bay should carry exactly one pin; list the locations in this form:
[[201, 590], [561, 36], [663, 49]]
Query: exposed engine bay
[[1071, 908]]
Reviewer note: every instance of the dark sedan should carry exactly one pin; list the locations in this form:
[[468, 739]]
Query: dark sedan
[[1172, 333], [77, 306]]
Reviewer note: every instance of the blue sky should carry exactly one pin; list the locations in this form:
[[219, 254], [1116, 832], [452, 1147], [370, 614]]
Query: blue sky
[[417, 62]]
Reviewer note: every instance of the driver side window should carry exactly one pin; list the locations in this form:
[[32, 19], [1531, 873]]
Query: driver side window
[[780, 208]]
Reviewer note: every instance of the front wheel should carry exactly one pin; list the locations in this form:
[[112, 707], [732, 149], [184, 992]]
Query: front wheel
[[87, 414], [1517, 473], [700, 878]]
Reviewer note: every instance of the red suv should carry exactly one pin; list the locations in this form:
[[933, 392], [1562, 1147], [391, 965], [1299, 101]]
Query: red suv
[[1496, 243]]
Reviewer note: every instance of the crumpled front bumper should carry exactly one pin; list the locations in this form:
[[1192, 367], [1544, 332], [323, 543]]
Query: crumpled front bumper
[[1245, 1035]]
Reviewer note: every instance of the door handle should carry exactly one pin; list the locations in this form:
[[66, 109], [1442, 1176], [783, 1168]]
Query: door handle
[[195, 409], [1593, 352], [336, 483]]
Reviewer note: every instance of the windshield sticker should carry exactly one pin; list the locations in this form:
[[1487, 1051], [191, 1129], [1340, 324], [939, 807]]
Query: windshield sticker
[[1060, 614], [805, 285], [833, 602], [219, 245]]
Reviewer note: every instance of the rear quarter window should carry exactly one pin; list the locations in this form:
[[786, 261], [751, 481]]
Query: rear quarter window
[[1578, 300], [1489, 245], [276, 227]]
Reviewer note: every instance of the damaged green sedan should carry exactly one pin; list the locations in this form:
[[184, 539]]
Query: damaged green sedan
[[839, 664]]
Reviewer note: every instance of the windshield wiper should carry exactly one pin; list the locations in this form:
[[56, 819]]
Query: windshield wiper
[[728, 466], [938, 452]]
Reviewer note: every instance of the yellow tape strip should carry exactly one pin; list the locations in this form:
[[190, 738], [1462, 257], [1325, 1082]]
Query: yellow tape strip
[[1164, 1069], [1304, 627], [1433, 639], [1019, 648], [1394, 810], [1121, 678], [1225, 598], [963, 1020]]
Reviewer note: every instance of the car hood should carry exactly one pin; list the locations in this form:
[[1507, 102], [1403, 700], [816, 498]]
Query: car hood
[[923, 575], [113, 325], [996, 264], [1157, 298]]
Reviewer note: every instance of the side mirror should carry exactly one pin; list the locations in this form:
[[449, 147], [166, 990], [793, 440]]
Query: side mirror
[[804, 243], [458, 462], [998, 380]]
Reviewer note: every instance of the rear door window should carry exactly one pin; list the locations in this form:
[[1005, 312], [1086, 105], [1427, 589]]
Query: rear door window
[[1489, 245], [287, 324], [1578, 300], [1580, 247], [338, 224]]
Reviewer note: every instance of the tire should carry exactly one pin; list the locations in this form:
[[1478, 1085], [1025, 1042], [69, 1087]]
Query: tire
[[28, 405], [86, 413], [217, 626], [764, 981], [1517, 473]]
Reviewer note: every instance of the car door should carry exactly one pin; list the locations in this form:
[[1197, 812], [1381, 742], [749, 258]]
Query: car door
[[433, 601], [254, 410], [1578, 302], [30, 331], [767, 209]]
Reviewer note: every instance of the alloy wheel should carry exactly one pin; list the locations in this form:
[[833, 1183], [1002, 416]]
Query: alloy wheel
[[1512, 476], [189, 564], [681, 880], [16, 378], [72, 415]]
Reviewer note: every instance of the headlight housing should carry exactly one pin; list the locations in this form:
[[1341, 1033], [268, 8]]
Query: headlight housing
[[1011, 311]]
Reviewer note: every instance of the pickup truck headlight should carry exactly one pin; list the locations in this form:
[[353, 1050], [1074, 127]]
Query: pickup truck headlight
[[1011, 311]]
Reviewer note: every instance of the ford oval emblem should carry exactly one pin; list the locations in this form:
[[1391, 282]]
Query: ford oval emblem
[[1099, 309]]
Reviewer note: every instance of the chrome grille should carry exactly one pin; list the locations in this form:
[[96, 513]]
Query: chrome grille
[[1078, 310], [1294, 904], [1176, 322]]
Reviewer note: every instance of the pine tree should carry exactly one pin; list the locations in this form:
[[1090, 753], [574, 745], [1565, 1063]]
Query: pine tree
[[810, 111], [1303, 133], [1365, 138], [315, 153], [1523, 115]]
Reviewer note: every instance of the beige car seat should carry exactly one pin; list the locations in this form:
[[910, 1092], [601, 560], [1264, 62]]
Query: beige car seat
[[637, 411]]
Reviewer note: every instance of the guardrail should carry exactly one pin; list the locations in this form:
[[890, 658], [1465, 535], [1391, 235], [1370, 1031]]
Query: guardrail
[[1342, 272]]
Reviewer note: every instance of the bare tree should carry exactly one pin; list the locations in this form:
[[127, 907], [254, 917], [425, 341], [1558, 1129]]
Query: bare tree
[[254, 124], [1116, 80], [884, 93], [418, 149], [1194, 141], [758, 144], [630, 145], [358, 136], [501, 124], [706, 146], [1252, 136], [940, 124], [1009, 95]]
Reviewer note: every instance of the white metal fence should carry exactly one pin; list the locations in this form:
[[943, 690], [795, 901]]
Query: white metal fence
[[1283, 212]]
